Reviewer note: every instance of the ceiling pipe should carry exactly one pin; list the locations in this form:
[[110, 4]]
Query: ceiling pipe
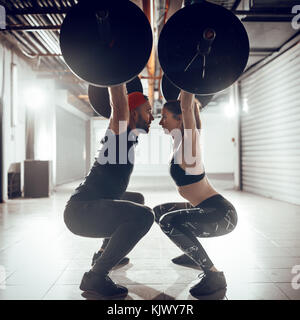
[[236, 4], [167, 6], [36, 11], [155, 78], [36, 37], [35, 47], [263, 13], [171, 6], [46, 36], [151, 62], [29, 28]]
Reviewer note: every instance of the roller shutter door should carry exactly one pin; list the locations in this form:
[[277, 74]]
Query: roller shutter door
[[270, 129]]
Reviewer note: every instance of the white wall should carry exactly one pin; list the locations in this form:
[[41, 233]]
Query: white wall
[[154, 150], [13, 131], [218, 130], [44, 120], [61, 104], [14, 146], [70, 147]]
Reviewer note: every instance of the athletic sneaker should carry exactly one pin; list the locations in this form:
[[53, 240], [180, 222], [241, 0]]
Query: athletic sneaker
[[122, 262], [184, 260], [101, 285], [210, 283]]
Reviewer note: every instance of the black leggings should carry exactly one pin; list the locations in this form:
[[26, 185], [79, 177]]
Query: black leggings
[[183, 223], [123, 221], [135, 197]]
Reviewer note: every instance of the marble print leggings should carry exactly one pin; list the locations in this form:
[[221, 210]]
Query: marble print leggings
[[183, 223]]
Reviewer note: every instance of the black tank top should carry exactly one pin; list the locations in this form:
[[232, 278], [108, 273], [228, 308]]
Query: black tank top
[[181, 177], [109, 180]]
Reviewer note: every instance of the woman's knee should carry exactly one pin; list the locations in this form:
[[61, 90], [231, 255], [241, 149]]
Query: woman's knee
[[148, 216], [158, 212], [164, 208], [165, 222]]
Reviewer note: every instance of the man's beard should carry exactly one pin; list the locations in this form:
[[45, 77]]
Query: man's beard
[[142, 125]]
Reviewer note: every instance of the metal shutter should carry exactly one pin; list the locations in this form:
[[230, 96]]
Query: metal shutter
[[270, 130]]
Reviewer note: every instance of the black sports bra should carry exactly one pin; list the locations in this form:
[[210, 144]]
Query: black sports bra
[[182, 178]]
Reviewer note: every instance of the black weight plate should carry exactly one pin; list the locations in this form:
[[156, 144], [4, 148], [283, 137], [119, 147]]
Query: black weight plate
[[178, 43], [110, 52]]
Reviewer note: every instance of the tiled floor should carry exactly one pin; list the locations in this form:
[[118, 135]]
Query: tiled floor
[[41, 259]]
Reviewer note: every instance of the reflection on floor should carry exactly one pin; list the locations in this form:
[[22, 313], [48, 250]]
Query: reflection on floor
[[41, 259]]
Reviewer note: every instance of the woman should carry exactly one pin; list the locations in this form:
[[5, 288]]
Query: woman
[[207, 213]]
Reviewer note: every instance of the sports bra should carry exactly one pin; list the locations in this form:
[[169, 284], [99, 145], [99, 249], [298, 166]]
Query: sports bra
[[180, 176]]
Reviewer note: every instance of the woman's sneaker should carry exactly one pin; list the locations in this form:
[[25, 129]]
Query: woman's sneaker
[[210, 283], [101, 286], [121, 263]]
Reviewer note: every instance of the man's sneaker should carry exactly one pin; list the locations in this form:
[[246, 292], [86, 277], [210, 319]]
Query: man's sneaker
[[184, 260], [210, 283], [121, 263], [101, 285]]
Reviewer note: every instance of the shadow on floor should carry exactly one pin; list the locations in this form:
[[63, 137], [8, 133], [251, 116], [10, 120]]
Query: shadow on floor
[[144, 291]]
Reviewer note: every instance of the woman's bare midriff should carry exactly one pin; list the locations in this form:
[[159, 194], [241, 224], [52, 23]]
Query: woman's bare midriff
[[197, 192]]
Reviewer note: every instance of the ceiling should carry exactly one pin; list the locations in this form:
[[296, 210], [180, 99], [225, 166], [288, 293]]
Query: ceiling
[[32, 29]]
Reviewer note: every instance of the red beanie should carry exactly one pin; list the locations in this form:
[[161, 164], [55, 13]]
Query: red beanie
[[136, 99]]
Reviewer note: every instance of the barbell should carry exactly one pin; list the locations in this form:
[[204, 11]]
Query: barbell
[[203, 48], [99, 96], [171, 92]]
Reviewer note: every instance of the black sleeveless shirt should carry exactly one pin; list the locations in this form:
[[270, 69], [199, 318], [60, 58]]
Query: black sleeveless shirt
[[111, 171]]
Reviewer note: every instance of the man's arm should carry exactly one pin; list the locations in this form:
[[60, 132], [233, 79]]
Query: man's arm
[[120, 108]]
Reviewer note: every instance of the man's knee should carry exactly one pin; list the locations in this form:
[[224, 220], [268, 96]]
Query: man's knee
[[139, 215], [140, 198], [148, 216], [135, 197], [144, 219]]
